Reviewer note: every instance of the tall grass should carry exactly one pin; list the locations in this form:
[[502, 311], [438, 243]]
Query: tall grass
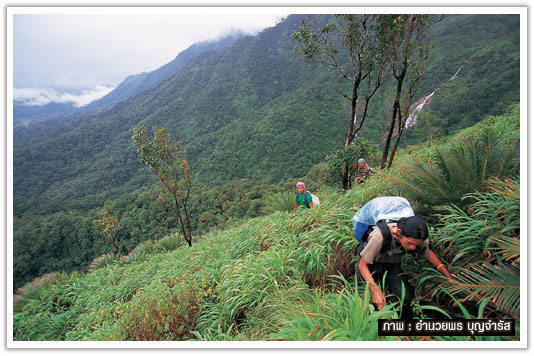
[[285, 277], [343, 315], [33, 289]]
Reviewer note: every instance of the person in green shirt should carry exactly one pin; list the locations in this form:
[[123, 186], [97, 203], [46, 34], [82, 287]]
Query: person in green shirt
[[303, 199]]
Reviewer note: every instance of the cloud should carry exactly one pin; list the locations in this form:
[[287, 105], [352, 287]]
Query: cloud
[[40, 96], [63, 51]]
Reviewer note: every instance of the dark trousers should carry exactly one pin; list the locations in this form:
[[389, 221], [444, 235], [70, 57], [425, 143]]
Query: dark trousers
[[394, 280]]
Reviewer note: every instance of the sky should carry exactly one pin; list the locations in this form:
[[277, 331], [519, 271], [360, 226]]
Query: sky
[[78, 55], [81, 57]]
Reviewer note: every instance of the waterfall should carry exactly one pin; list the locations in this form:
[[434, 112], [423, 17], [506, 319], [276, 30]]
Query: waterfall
[[456, 74], [412, 119], [421, 103]]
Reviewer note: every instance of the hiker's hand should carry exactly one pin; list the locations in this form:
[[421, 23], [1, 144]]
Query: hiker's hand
[[379, 300]]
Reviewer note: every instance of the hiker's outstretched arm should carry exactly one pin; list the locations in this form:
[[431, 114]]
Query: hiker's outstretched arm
[[434, 259], [378, 297], [296, 207]]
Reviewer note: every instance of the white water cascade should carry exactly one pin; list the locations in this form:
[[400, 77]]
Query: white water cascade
[[412, 119], [421, 103]]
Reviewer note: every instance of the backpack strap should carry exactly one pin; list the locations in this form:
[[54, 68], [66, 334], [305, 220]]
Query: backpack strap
[[305, 198], [386, 235]]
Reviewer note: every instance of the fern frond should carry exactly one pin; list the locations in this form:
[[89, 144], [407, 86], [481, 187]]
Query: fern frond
[[499, 283]]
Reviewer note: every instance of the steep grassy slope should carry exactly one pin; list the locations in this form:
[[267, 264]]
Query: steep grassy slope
[[285, 277]]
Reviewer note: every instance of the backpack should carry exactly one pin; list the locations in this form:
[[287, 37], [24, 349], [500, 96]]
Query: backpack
[[315, 200], [378, 212]]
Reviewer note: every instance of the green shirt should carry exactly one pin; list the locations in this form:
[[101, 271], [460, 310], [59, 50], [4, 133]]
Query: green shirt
[[299, 199]]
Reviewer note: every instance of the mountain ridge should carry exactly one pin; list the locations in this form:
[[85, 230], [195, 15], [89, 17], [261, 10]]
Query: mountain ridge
[[130, 86], [233, 86]]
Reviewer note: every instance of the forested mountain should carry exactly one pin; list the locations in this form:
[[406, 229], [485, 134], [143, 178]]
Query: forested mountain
[[25, 113], [135, 84], [256, 97], [253, 110], [211, 92], [132, 85]]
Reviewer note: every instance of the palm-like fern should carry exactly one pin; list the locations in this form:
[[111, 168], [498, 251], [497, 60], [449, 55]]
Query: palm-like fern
[[141, 251], [484, 247], [499, 283], [280, 202], [458, 168]]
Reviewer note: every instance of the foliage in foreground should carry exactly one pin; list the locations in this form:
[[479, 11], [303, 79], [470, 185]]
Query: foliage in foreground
[[278, 278], [344, 316], [483, 247], [465, 164]]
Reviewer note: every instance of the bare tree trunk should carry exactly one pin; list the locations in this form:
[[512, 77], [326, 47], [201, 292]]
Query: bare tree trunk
[[350, 133], [401, 130], [116, 245], [182, 224], [345, 177], [387, 141]]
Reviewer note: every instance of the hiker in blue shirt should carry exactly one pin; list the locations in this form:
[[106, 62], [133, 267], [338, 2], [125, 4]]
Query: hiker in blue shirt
[[303, 199]]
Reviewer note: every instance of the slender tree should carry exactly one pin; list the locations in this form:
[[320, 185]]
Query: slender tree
[[169, 162], [348, 47], [405, 44], [108, 225]]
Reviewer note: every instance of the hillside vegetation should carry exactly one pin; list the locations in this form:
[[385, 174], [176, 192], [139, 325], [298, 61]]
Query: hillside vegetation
[[250, 116], [254, 99], [287, 277]]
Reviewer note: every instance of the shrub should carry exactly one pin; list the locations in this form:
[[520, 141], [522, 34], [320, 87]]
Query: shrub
[[360, 148], [167, 314], [284, 202], [104, 260], [458, 168]]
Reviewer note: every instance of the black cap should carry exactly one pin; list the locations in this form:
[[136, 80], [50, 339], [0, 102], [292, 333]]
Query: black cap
[[413, 227]]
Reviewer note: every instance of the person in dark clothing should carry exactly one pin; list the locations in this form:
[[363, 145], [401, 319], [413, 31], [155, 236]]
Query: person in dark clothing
[[363, 171], [408, 234]]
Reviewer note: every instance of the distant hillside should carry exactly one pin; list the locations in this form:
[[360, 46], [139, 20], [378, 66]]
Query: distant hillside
[[256, 110], [132, 85], [135, 84], [26, 113]]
